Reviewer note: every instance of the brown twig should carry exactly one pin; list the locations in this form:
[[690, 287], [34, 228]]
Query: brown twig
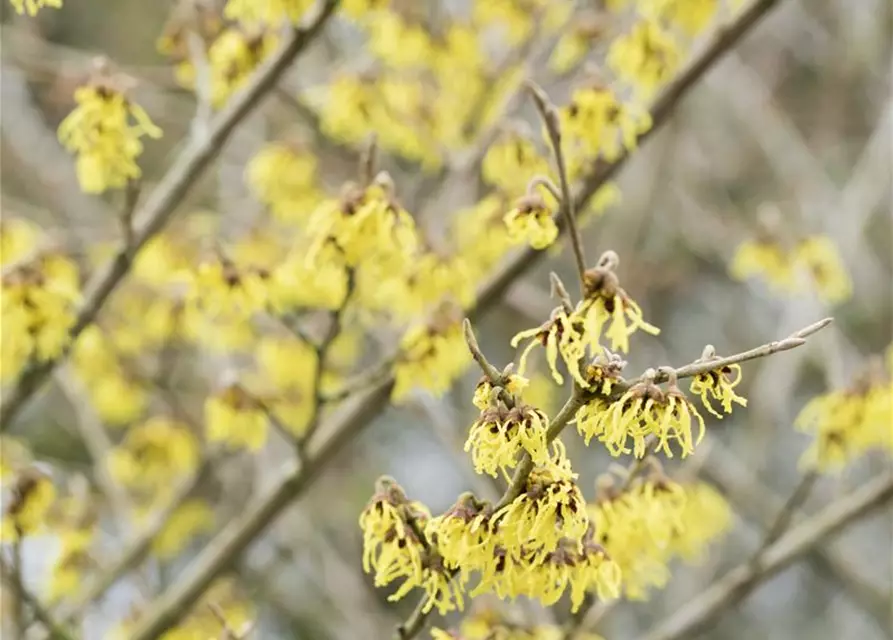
[[160, 205], [739, 582], [549, 115], [12, 576]]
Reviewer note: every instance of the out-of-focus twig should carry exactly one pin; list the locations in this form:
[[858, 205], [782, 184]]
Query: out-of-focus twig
[[739, 582], [12, 576]]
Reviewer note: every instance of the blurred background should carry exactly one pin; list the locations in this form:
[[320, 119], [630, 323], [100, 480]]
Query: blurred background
[[795, 122]]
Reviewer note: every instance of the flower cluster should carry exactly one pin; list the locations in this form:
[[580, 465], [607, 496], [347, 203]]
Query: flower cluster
[[718, 384], [849, 422], [813, 262], [646, 524], [643, 413], [105, 132], [431, 356], [31, 7]]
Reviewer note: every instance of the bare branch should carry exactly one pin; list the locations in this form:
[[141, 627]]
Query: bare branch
[[739, 582]]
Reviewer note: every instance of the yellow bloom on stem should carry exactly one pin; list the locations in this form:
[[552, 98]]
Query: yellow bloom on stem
[[582, 570], [481, 235], [192, 519], [219, 288], [267, 12], [18, 239], [233, 57], [31, 7], [391, 546], [511, 162], [720, 385], [31, 497], [37, 309], [605, 302], [646, 58], [104, 131], [431, 357], [561, 335], [283, 177], [530, 220], [705, 516], [818, 256], [766, 259], [462, 536], [398, 43], [597, 124], [689, 16], [73, 560], [235, 417], [484, 392], [154, 454], [500, 434], [577, 42], [366, 225], [549, 508], [296, 284], [847, 423], [642, 411]]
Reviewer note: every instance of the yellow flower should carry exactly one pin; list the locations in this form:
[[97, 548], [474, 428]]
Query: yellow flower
[[287, 362], [73, 560], [32, 496], [818, 256], [511, 162], [18, 239], [153, 455], [481, 235], [690, 16], [191, 519], [104, 131], [484, 394], [549, 508], [431, 357], [644, 410], [31, 7], [499, 435], [296, 284], [357, 9], [391, 546], [284, 178], [36, 311], [233, 57], [367, 225], [561, 334], [235, 417], [705, 516], [462, 535], [636, 528], [581, 570], [849, 422], [646, 58], [597, 124], [719, 384], [578, 41], [606, 302], [767, 259], [269, 12], [398, 43], [531, 221]]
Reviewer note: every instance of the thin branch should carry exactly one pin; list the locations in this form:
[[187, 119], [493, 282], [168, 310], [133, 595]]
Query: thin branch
[[158, 208], [756, 502], [332, 436], [134, 552], [492, 373], [13, 577], [739, 582], [788, 511], [549, 115]]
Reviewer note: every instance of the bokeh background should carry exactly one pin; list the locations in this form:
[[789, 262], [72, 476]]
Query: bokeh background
[[796, 121]]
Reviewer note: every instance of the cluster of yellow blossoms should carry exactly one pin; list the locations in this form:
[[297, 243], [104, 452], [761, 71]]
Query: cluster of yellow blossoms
[[652, 520], [105, 132], [849, 422], [31, 7], [814, 262], [542, 540], [40, 292]]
